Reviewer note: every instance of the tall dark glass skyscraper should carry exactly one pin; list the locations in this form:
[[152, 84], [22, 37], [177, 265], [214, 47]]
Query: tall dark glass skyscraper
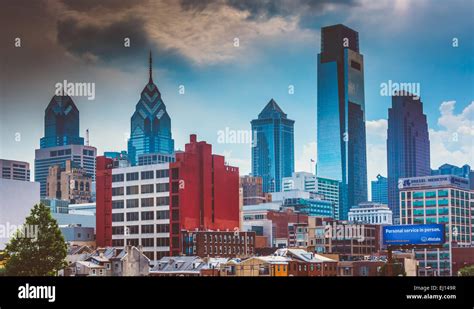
[[61, 123], [61, 141], [341, 115], [150, 124], [273, 151], [408, 146]]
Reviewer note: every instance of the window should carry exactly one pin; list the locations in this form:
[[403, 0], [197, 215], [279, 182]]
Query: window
[[175, 187], [162, 214], [132, 216], [132, 203], [162, 187], [355, 65], [148, 242], [117, 191], [117, 217], [163, 242], [132, 176], [117, 178], [162, 173], [175, 201], [147, 215], [147, 175], [117, 230], [132, 229], [117, 242], [147, 202], [175, 215], [147, 189], [148, 228], [132, 190], [117, 204], [163, 200], [162, 228], [175, 173]]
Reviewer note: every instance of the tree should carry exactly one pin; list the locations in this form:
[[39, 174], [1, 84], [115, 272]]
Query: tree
[[467, 271], [41, 255]]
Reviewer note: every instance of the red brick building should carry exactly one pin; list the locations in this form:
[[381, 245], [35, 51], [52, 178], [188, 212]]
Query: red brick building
[[204, 192], [103, 202]]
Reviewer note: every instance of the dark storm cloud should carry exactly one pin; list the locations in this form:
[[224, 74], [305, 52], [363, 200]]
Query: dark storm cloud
[[103, 41], [87, 5], [264, 9]]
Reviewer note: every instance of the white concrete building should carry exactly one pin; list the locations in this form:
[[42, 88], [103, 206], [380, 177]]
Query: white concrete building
[[140, 208], [371, 213]]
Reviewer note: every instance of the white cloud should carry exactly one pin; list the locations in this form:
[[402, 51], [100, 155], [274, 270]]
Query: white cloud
[[303, 162], [454, 142], [376, 132]]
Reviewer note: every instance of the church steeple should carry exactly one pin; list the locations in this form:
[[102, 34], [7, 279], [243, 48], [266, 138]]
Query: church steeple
[[150, 69]]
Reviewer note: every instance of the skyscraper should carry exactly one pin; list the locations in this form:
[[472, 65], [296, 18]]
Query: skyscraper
[[341, 115], [408, 146], [273, 151], [150, 125], [380, 190], [61, 141], [61, 123]]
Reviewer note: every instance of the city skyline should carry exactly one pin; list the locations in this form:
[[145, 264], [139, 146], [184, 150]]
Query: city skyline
[[107, 133]]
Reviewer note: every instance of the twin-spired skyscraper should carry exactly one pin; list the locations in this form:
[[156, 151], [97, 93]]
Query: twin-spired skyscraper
[[341, 135]]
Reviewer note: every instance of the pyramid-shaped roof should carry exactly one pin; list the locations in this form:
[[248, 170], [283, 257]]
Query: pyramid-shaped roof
[[271, 110]]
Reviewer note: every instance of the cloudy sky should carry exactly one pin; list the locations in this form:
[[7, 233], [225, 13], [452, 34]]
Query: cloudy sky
[[231, 57]]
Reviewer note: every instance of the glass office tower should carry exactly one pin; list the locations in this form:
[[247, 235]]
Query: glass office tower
[[61, 141], [341, 115], [61, 123], [150, 124], [408, 146], [273, 151]]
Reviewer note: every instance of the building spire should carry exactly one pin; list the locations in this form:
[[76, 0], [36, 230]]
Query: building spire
[[150, 61]]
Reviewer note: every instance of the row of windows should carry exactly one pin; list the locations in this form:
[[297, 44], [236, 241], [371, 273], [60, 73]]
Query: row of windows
[[133, 190], [146, 242], [144, 175], [145, 229], [145, 202], [145, 215]]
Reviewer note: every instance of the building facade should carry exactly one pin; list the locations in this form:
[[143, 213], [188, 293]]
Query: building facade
[[61, 141], [408, 146], [151, 205], [252, 190], [380, 190], [81, 156], [16, 170], [444, 199], [463, 171], [204, 192], [228, 244], [341, 134], [150, 125], [70, 183], [305, 181], [273, 150], [371, 213]]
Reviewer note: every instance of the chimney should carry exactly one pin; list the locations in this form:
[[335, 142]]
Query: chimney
[[193, 138]]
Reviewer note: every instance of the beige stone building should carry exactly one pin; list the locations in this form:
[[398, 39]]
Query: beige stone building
[[70, 183]]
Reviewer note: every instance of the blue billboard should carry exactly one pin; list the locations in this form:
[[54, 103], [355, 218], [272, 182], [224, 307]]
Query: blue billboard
[[413, 234]]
